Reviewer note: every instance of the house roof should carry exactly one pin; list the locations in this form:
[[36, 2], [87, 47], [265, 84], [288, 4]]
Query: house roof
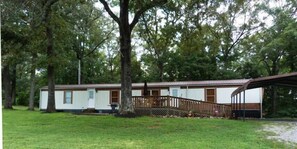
[[209, 83], [289, 79]]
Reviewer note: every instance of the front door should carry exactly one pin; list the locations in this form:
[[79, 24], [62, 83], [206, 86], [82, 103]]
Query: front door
[[155, 95], [175, 93], [91, 100], [210, 95]]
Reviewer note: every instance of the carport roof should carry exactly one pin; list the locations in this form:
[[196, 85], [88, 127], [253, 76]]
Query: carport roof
[[289, 79]]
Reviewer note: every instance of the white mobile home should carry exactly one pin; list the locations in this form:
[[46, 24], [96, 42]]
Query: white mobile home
[[100, 96]]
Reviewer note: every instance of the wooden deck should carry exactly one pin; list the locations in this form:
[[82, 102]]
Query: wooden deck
[[169, 105]]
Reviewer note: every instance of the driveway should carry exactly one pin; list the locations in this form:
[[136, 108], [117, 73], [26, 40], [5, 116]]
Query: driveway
[[282, 131]]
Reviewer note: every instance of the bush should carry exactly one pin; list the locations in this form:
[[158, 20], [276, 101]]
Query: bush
[[289, 112], [22, 99]]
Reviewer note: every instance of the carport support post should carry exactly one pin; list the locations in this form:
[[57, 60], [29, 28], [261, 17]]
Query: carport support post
[[235, 102], [232, 98], [261, 104], [239, 105], [231, 106], [236, 108], [244, 105]]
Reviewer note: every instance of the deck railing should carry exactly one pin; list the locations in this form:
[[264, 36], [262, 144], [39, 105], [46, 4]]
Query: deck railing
[[178, 103]]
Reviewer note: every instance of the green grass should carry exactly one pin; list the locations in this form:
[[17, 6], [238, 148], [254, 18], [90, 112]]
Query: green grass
[[26, 129]]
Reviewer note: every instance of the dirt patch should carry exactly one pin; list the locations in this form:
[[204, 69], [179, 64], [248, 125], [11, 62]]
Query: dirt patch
[[282, 131]]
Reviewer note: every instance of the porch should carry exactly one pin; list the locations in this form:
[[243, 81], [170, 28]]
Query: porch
[[177, 106]]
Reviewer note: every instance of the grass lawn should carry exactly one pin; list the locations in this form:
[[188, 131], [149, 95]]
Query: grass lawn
[[26, 129]]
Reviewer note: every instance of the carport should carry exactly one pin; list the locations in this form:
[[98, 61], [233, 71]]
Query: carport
[[238, 104]]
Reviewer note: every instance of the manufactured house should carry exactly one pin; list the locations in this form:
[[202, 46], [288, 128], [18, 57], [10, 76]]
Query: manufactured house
[[76, 98]]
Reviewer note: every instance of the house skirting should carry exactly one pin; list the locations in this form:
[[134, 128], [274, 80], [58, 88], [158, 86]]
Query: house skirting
[[78, 111]]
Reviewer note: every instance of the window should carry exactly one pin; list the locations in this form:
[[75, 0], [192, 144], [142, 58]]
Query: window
[[211, 95], [115, 96], [91, 94], [174, 92], [68, 97]]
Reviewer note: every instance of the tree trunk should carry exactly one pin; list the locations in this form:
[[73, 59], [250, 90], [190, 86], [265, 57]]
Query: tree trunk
[[111, 73], [7, 87], [32, 85], [126, 84], [274, 71], [50, 58], [82, 71], [126, 107], [274, 100], [51, 89], [161, 70], [13, 84], [79, 72]]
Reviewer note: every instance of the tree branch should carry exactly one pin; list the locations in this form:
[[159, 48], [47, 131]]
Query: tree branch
[[236, 41], [267, 66], [111, 14], [148, 32], [142, 10], [100, 43], [47, 8]]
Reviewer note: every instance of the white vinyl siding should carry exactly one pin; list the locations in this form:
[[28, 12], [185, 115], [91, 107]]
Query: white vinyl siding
[[251, 96], [193, 93], [102, 100], [136, 92], [164, 92], [79, 100]]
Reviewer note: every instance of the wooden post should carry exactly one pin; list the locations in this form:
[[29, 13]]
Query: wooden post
[[168, 101], [167, 111], [223, 111]]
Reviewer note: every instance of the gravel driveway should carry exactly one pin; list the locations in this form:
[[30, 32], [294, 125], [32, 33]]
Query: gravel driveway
[[282, 131]]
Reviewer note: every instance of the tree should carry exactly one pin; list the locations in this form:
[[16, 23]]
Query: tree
[[206, 39], [158, 29], [34, 46], [125, 27], [14, 39], [272, 50], [87, 37], [50, 55], [137, 72], [113, 61]]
